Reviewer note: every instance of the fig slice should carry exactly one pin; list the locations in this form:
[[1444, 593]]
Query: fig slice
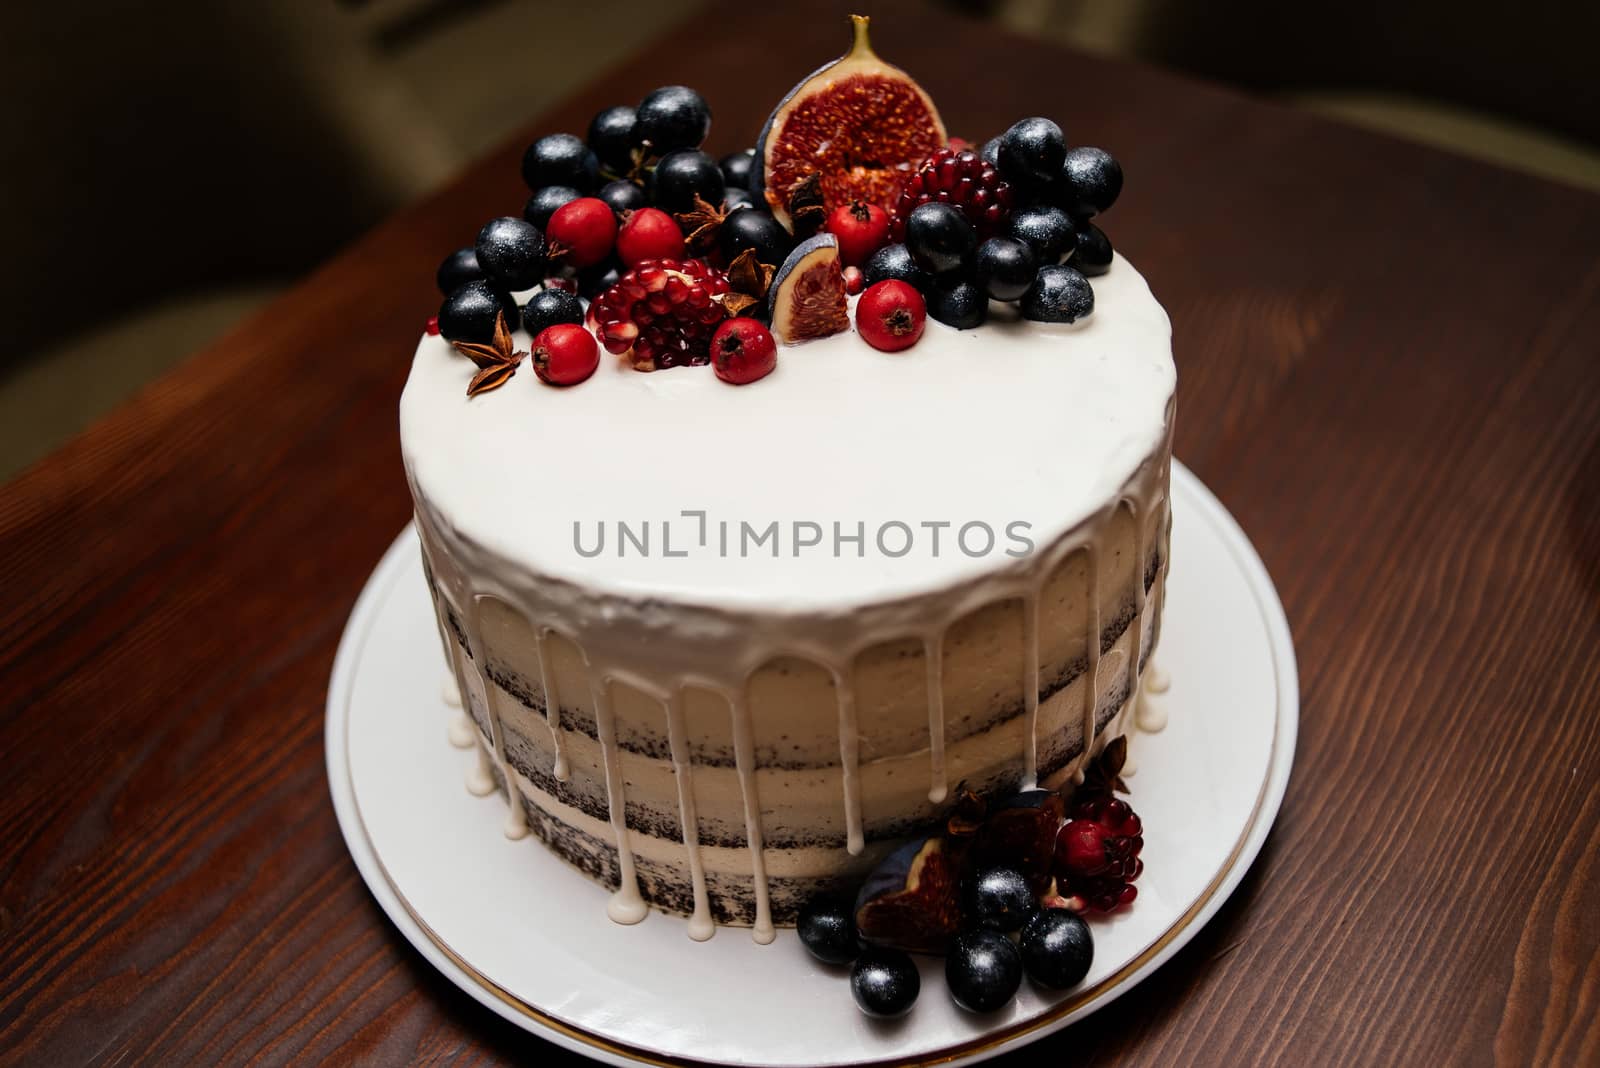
[[911, 901], [807, 297], [860, 124]]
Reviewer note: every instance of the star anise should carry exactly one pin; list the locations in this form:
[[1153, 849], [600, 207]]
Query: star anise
[[807, 212], [496, 361], [749, 280], [1104, 775], [702, 223]]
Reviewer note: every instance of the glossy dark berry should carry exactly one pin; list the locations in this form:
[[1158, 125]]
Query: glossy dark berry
[[511, 253], [737, 198], [1057, 949], [671, 117], [549, 307], [991, 149], [560, 159], [458, 268], [983, 970], [736, 168], [827, 928], [755, 229], [940, 237], [1032, 151], [1058, 295], [592, 281], [468, 313], [611, 138], [623, 195], [1090, 181], [1046, 229], [999, 899], [683, 175], [894, 261], [885, 982], [544, 202], [1092, 250], [957, 302], [1004, 267]]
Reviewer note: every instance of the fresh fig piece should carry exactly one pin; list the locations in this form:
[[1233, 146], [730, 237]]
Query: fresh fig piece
[[1020, 833], [858, 123], [912, 901], [807, 298]]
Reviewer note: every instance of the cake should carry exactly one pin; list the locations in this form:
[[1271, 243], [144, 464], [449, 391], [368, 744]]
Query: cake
[[726, 647]]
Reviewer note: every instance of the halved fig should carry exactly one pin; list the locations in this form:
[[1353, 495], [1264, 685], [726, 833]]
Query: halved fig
[[912, 900], [858, 123], [807, 298]]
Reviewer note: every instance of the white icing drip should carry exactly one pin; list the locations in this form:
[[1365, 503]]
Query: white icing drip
[[480, 780], [933, 657], [516, 824], [850, 758], [745, 758], [1150, 713], [625, 906], [461, 730], [1088, 392], [1091, 673], [1158, 679], [1030, 688], [552, 707], [701, 926]]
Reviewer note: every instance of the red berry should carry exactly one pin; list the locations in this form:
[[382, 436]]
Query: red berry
[[853, 280], [742, 350], [433, 326], [564, 354], [586, 228], [1081, 849], [861, 228], [890, 315], [563, 282], [649, 234]]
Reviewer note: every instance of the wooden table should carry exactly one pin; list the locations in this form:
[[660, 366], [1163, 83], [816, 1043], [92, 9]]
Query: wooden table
[[1390, 372]]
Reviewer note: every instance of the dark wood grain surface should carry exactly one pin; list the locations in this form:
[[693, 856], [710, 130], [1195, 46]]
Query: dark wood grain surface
[[1389, 370]]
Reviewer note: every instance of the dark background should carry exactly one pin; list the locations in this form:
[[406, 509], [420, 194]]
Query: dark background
[[173, 167]]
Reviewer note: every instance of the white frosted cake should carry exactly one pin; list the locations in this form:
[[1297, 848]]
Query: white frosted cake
[[724, 646]]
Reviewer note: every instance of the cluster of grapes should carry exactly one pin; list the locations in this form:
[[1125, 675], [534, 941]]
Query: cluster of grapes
[[601, 205], [1010, 223]]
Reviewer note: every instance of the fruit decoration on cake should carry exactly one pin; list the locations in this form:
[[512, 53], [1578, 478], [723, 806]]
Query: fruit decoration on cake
[[1001, 893], [859, 125], [852, 183]]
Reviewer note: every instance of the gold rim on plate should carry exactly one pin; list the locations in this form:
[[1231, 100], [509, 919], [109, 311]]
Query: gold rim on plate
[[980, 1044]]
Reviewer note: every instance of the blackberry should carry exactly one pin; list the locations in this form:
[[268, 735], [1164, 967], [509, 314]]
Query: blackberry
[[549, 307], [611, 138], [1092, 250], [560, 159], [458, 268], [544, 202], [1091, 180], [894, 261]]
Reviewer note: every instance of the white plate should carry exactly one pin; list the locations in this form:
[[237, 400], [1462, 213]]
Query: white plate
[[528, 936]]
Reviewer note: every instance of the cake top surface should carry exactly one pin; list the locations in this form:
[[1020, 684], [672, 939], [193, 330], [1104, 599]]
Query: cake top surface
[[1017, 431]]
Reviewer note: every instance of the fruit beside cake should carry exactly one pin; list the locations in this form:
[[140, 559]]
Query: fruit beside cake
[[733, 639]]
